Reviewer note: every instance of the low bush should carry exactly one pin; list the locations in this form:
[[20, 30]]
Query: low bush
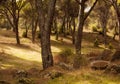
[[66, 55]]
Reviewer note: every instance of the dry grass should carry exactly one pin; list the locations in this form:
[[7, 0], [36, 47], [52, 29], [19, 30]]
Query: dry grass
[[28, 55]]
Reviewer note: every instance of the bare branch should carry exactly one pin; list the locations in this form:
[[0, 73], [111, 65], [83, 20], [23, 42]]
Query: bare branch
[[90, 9]]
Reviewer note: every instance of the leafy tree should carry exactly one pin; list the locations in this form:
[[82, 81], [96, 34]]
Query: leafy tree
[[116, 5], [103, 14], [11, 9], [82, 17]]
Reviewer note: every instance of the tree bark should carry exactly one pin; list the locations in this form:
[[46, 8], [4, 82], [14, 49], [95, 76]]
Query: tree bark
[[73, 31], [78, 40], [45, 29], [15, 20]]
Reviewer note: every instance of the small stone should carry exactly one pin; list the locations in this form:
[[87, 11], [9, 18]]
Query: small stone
[[65, 66]]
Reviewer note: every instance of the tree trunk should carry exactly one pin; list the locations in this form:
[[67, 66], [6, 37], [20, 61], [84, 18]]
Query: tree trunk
[[45, 29], [73, 32], [78, 40], [56, 28], [17, 35], [119, 29], [34, 27]]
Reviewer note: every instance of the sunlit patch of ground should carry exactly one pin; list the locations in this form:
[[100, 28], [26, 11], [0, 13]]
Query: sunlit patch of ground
[[26, 54]]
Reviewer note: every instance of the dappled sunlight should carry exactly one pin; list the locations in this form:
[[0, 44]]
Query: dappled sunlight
[[5, 66], [55, 49], [24, 54]]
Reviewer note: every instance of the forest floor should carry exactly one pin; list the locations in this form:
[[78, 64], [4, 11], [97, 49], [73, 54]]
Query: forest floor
[[27, 57]]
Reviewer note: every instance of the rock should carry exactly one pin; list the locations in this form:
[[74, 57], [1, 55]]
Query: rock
[[50, 74], [99, 65], [113, 68], [65, 66], [116, 55], [93, 58], [21, 74], [55, 74], [24, 81]]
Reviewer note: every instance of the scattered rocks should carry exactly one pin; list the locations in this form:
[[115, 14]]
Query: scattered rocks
[[21, 74], [113, 68], [99, 65], [50, 74], [25, 81], [65, 66]]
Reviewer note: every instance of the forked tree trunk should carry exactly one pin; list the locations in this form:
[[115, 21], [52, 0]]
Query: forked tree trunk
[[78, 40]]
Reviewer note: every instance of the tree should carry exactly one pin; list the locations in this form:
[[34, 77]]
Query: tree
[[34, 18], [103, 15], [78, 41], [116, 5], [45, 23], [11, 9]]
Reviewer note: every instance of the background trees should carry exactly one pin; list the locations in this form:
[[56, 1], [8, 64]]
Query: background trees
[[11, 10], [59, 17]]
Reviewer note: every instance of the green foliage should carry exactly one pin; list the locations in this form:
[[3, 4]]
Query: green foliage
[[24, 34], [110, 46], [66, 52], [96, 43], [94, 29], [66, 55]]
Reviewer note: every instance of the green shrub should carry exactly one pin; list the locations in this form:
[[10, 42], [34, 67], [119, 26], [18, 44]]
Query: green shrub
[[66, 52], [96, 43], [94, 29], [110, 46], [66, 55], [24, 34]]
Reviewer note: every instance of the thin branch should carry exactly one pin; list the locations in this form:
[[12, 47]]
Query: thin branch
[[90, 9]]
